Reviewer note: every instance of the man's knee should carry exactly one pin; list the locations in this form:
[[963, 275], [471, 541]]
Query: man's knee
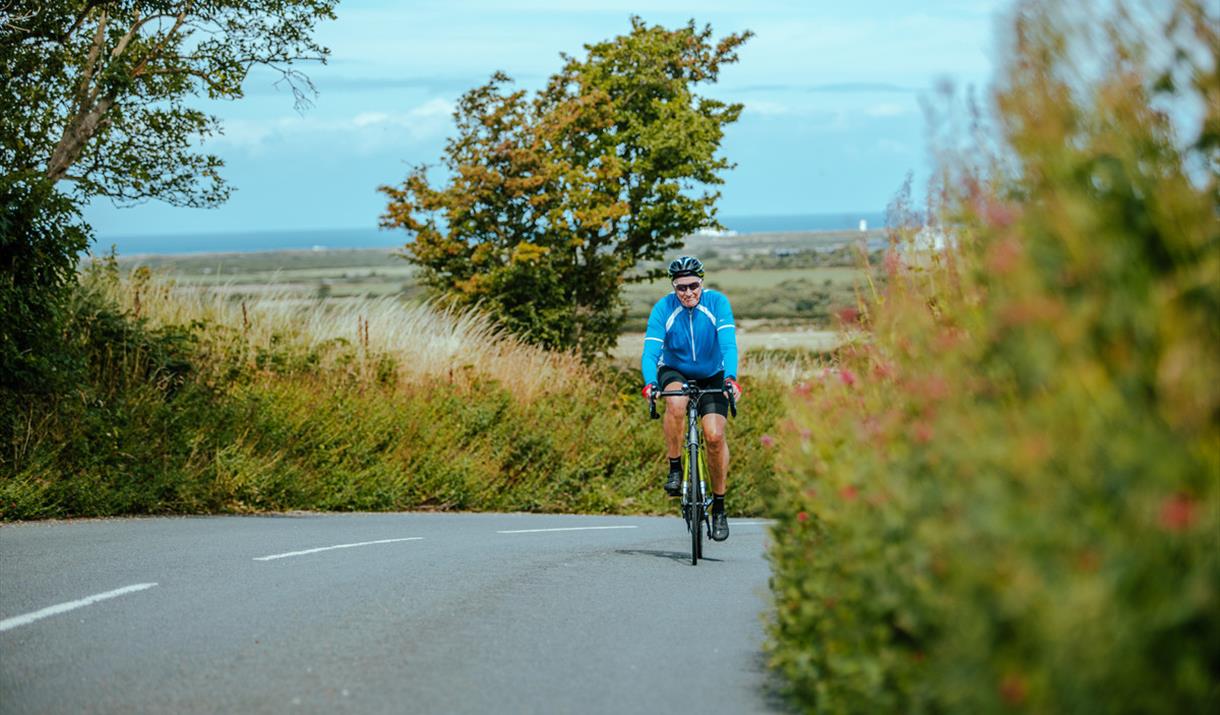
[[675, 406], [714, 437]]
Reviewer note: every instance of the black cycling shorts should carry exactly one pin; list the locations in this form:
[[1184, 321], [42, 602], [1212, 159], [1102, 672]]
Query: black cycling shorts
[[717, 403]]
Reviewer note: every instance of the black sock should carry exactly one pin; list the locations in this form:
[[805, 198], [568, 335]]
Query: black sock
[[717, 503], [675, 464]]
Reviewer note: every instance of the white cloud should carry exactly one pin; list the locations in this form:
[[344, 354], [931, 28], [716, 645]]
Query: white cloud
[[365, 131], [889, 109], [433, 108], [369, 118]]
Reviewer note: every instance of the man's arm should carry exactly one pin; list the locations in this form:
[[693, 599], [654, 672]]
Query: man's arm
[[726, 336], [654, 342]]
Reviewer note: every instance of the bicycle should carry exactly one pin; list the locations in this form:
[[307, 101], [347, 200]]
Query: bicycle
[[696, 502]]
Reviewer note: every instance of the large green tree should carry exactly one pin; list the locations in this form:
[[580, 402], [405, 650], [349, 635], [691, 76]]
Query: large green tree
[[550, 200], [96, 102]]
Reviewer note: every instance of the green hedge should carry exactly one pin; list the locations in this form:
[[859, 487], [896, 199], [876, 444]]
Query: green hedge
[[1007, 497]]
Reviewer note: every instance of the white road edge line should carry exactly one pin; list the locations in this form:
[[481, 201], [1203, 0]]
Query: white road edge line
[[330, 548], [15, 621], [565, 528]]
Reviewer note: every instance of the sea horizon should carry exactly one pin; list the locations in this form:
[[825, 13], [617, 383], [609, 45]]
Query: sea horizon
[[365, 237]]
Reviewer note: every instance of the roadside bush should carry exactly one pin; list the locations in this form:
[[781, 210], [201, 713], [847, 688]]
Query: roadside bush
[[40, 238], [1006, 499], [179, 413]]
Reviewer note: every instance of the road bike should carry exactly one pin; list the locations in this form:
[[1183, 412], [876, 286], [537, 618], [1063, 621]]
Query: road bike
[[696, 500]]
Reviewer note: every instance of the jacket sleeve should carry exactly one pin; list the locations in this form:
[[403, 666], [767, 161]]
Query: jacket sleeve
[[726, 336], [654, 342]]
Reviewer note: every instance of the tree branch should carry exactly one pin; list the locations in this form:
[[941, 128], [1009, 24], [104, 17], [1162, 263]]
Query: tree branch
[[138, 70], [80, 19]]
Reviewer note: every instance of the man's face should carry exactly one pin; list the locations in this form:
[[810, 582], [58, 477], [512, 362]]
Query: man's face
[[688, 288]]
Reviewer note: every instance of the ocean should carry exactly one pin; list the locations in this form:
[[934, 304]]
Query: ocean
[[340, 238]]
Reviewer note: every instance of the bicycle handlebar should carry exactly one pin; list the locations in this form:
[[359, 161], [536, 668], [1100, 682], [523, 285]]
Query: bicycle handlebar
[[688, 391]]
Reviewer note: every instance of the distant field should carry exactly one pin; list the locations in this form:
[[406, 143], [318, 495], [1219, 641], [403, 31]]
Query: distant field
[[786, 282], [756, 337]]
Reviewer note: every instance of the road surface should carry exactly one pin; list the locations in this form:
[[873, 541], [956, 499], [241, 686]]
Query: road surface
[[401, 613]]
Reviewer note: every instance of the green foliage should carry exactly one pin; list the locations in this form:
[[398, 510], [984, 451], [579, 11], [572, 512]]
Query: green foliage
[[551, 201], [184, 419], [96, 93], [40, 238], [1006, 499]]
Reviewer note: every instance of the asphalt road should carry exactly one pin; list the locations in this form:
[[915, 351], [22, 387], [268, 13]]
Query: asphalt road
[[440, 613]]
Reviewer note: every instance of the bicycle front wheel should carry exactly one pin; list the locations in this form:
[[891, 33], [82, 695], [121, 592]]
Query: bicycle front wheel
[[696, 510]]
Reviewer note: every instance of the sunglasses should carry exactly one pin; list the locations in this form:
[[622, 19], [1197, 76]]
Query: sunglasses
[[684, 287]]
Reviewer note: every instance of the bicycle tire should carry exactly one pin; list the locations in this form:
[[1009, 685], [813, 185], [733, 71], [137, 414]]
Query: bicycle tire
[[696, 506]]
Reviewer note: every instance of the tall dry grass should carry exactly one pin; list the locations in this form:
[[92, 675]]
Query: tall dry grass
[[425, 341]]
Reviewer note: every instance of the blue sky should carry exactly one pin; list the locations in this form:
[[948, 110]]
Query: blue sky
[[832, 93]]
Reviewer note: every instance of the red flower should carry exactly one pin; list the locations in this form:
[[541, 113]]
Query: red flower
[[802, 516], [1178, 512], [849, 315], [1013, 689], [847, 376], [849, 493]]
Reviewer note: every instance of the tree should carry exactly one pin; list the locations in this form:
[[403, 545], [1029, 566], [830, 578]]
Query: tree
[[550, 201], [94, 103], [95, 93]]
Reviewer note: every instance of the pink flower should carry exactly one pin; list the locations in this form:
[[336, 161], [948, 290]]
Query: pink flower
[[767, 440], [923, 432], [849, 314], [1178, 513], [999, 214], [847, 376], [893, 262]]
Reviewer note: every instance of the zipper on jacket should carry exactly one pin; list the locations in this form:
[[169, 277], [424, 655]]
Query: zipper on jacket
[[690, 320]]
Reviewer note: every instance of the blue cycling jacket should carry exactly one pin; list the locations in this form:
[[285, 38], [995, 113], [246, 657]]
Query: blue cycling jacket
[[697, 342]]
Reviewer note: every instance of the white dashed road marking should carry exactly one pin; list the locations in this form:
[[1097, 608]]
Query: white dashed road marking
[[566, 528], [330, 548], [15, 621]]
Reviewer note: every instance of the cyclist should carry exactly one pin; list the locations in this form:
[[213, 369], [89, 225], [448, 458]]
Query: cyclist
[[691, 338]]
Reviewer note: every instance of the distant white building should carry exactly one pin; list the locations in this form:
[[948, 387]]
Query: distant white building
[[863, 225], [715, 232]]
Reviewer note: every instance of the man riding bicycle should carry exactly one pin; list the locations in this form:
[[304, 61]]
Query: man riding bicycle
[[691, 338]]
